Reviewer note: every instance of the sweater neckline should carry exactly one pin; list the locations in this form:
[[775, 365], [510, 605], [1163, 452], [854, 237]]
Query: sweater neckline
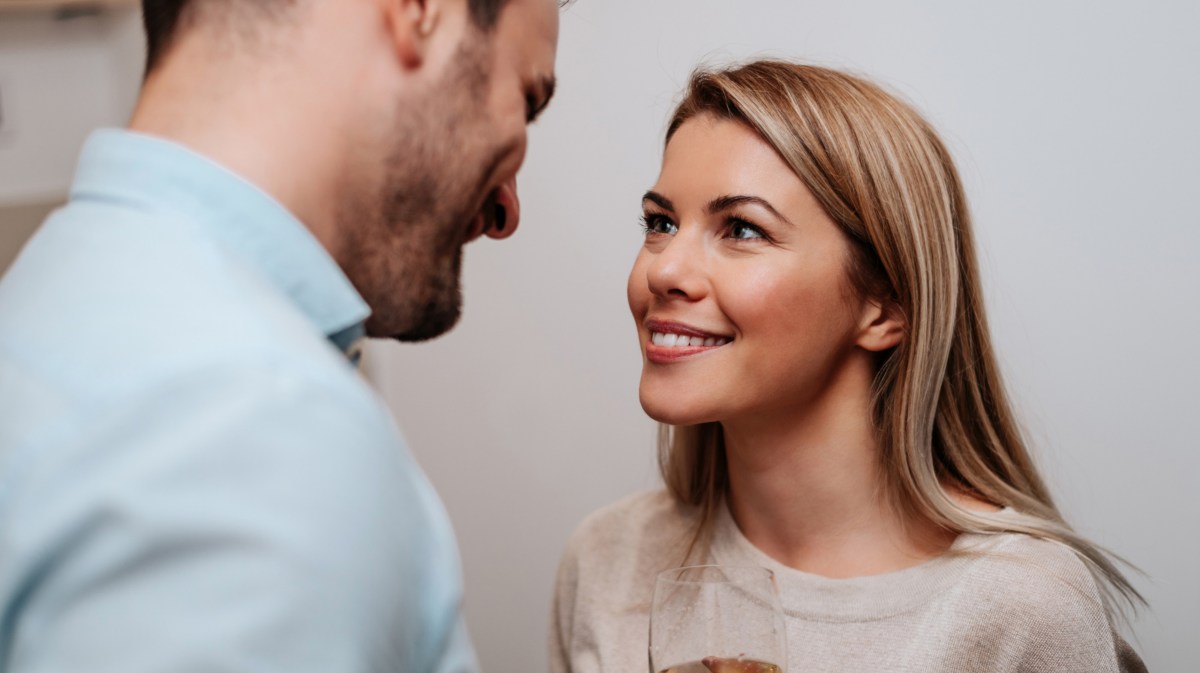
[[868, 598]]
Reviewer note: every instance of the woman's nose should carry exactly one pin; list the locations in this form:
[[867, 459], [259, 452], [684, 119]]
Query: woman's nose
[[678, 269]]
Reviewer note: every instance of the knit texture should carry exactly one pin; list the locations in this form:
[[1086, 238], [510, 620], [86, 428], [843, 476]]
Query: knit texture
[[993, 603]]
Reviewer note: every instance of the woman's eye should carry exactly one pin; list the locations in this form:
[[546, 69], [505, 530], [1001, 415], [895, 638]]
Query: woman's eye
[[744, 231], [657, 224]]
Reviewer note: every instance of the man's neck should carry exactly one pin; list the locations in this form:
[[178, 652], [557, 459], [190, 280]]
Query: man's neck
[[256, 121]]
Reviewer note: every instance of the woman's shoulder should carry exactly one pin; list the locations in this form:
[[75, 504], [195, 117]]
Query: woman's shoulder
[[648, 517], [1040, 586], [605, 580], [1046, 601], [640, 534], [1029, 570]]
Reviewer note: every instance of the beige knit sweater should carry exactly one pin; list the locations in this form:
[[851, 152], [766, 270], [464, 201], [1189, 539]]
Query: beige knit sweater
[[1002, 603]]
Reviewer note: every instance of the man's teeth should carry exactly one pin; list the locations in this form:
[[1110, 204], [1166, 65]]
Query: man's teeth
[[670, 340]]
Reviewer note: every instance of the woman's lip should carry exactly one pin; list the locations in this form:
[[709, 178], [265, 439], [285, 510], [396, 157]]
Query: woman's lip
[[672, 327], [668, 354], [663, 354]]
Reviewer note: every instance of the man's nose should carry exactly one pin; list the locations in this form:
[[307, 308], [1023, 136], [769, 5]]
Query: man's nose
[[508, 211]]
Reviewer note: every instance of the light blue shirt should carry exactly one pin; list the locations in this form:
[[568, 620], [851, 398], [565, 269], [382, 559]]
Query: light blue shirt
[[193, 478]]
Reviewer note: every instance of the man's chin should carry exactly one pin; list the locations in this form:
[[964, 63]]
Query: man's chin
[[433, 322]]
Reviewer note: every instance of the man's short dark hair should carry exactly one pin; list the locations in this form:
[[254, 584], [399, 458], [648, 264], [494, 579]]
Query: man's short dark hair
[[161, 19]]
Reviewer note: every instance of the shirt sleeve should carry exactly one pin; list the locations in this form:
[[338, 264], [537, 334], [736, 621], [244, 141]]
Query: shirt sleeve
[[1128, 660], [241, 521], [1061, 640], [1057, 619], [1083, 642], [562, 612]]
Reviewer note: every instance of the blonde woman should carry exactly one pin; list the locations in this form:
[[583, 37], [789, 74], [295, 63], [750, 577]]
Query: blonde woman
[[814, 342]]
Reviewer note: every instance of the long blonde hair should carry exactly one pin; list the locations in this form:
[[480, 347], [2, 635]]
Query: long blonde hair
[[882, 174]]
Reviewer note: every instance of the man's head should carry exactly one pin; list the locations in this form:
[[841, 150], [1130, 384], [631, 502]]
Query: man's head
[[416, 110], [162, 18]]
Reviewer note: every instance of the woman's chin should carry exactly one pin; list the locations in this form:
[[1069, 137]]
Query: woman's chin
[[673, 413]]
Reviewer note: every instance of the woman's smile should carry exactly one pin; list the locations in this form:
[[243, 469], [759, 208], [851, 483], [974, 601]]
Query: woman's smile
[[671, 341]]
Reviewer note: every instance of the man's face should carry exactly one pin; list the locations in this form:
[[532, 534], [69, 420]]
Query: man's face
[[449, 169]]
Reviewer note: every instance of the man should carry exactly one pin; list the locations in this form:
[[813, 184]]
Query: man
[[192, 476]]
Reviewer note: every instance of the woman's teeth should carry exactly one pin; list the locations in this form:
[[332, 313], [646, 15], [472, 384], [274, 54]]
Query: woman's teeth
[[669, 340]]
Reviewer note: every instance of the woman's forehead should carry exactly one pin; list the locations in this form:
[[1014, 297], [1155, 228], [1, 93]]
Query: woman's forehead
[[709, 157]]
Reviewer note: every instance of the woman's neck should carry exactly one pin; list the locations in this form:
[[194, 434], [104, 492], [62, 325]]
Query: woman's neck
[[807, 488]]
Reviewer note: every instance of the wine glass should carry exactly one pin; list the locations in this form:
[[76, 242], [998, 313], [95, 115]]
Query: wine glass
[[717, 619]]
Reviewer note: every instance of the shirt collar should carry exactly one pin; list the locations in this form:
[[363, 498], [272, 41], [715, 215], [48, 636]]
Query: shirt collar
[[159, 175]]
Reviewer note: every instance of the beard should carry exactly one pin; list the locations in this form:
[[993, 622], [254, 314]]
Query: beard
[[405, 236]]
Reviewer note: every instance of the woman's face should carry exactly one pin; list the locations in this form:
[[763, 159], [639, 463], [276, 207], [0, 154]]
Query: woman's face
[[740, 294]]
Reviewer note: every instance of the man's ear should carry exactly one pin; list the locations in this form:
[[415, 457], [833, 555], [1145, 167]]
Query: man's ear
[[882, 326], [410, 24]]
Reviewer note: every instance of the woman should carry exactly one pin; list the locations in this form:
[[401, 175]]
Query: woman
[[814, 343]]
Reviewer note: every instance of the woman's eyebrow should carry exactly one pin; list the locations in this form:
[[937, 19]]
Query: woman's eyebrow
[[659, 200], [723, 203]]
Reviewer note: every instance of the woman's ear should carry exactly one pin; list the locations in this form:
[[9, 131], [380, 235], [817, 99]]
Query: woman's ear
[[410, 25], [882, 326]]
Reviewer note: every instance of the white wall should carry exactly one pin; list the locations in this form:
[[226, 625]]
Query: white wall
[[59, 79], [1075, 124]]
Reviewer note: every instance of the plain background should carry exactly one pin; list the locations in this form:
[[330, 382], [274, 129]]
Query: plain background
[[1074, 125]]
